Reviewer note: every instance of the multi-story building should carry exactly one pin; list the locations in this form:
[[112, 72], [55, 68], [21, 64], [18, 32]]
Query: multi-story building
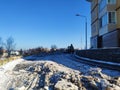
[[105, 23]]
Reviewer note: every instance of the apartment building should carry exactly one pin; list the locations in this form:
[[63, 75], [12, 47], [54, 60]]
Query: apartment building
[[105, 23]]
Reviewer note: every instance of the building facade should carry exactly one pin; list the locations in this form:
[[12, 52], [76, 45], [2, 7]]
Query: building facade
[[105, 23]]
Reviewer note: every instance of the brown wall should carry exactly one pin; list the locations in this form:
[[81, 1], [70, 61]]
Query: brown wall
[[94, 30], [93, 4], [118, 16], [94, 18], [118, 4], [111, 27], [118, 13], [94, 14]]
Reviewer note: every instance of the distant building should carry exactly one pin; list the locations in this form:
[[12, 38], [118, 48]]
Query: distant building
[[15, 53], [105, 23]]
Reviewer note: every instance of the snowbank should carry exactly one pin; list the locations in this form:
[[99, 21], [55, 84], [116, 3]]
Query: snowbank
[[55, 72]]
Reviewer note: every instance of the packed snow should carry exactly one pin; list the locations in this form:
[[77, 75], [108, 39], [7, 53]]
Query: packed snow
[[56, 72]]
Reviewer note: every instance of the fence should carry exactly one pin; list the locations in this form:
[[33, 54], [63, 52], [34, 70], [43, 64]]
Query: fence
[[111, 54]]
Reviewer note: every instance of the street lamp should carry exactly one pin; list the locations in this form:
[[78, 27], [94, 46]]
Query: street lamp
[[85, 28]]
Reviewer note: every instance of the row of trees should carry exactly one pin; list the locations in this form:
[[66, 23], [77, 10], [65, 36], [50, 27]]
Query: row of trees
[[39, 50], [8, 45], [54, 49], [33, 51]]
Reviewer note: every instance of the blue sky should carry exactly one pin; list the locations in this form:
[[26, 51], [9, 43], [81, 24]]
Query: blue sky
[[34, 23]]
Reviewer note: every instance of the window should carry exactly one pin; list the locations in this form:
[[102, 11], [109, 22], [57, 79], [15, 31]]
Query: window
[[111, 1], [112, 17], [103, 21], [102, 4], [109, 17]]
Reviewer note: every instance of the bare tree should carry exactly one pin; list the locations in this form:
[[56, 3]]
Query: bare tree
[[70, 49], [1, 43], [54, 47], [1, 47], [10, 45]]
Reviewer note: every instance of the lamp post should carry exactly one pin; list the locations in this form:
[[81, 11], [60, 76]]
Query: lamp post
[[85, 28]]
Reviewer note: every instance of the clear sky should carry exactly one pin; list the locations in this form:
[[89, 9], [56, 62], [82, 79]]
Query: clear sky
[[34, 23]]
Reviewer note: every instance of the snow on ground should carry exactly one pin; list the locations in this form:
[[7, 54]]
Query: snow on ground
[[67, 61], [5, 68], [11, 65], [58, 72]]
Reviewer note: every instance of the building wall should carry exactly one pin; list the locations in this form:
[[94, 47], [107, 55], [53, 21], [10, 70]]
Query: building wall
[[94, 23], [111, 39], [103, 30], [94, 18], [104, 34], [118, 20], [109, 27], [93, 4], [118, 13], [94, 41], [94, 14], [94, 30]]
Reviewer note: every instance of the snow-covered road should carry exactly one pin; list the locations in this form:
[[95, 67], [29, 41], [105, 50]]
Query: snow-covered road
[[68, 61], [29, 71]]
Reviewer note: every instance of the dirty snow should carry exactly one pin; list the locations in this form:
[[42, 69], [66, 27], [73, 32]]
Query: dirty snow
[[59, 72]]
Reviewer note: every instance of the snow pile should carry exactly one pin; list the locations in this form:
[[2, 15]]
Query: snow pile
[[57, 72], [37, 75], [11, 65], [4, 72], [65, 85]]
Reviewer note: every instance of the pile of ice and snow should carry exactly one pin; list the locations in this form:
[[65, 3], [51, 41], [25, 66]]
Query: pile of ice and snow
[[49, 75]]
